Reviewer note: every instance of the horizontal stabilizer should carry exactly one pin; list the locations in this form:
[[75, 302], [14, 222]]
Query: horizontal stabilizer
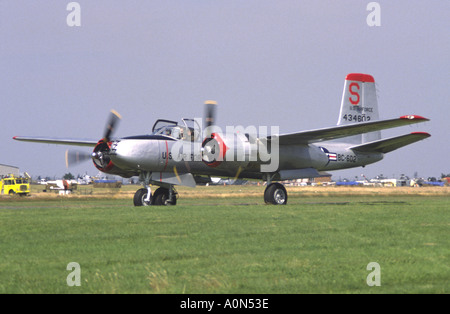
[[54, 140], [390, 144], [319, 135]]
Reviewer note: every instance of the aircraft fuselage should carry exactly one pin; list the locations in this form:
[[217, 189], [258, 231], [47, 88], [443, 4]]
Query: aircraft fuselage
[[242, 159]]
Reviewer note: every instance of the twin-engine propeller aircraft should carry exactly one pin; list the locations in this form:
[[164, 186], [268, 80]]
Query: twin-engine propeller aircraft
[[180, 154]]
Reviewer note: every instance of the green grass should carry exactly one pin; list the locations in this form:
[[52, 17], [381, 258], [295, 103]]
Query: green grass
[[231, 245]]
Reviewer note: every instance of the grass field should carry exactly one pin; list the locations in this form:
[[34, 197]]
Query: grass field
[[225, 240]]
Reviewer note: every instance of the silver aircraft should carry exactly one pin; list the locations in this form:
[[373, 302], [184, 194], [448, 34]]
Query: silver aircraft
[[187, 152]]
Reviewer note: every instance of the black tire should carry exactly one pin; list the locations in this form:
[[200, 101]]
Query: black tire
[[157, 199], [275, 194], [140, 196], [161, 197]]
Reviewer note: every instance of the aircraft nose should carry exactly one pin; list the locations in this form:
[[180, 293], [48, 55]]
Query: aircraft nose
[[136, 153]]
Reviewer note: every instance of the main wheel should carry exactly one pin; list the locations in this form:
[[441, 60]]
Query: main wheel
[[275, 194], [140, 197]]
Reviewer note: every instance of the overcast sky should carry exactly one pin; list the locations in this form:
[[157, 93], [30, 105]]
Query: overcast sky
[[268, 63]]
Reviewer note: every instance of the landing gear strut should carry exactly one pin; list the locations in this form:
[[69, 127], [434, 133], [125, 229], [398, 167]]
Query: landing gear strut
[[143, 197]]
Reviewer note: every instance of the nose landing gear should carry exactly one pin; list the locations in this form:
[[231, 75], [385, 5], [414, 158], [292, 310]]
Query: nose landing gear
[[162, 196], [141, 197]]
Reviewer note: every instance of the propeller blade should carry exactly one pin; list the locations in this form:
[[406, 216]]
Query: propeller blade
[[74, 157], [210, 116], [111, 125]]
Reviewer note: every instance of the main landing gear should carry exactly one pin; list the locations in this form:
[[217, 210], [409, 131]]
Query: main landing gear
[[275, 193]]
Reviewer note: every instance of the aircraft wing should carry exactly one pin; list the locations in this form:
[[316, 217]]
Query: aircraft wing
[[326, 134], [390, 144], [54, 140]]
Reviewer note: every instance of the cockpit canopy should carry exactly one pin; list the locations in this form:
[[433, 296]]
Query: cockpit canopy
[[188, 131]]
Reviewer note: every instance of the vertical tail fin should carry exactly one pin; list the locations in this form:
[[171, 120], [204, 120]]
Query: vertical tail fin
[[359, 104]]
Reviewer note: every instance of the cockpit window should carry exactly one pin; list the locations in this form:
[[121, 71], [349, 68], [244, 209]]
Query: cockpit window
[[169, 130], [161, 124], [174, 130]]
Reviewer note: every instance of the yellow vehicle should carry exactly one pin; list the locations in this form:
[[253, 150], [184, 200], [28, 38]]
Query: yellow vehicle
[[12, 185]]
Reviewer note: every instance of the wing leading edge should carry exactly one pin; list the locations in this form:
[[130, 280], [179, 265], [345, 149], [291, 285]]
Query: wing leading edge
[[54, 140], [341, 131]]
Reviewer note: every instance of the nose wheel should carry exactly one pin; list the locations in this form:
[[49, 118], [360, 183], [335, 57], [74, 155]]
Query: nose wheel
[[162, 197], [141, 198]]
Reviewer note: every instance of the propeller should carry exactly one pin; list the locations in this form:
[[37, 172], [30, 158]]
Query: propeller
[[114, 118], [211, 148], [210, 117], [74, 157]]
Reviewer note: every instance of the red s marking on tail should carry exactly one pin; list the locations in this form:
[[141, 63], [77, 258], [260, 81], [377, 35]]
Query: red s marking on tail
[[353, 101]]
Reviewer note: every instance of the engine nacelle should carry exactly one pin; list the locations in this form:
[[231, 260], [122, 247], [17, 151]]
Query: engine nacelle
[[213, 150], [102, 160], [234, 148]]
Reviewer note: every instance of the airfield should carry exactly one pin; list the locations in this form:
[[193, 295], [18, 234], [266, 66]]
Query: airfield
[[224, 239], [296, 193]]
